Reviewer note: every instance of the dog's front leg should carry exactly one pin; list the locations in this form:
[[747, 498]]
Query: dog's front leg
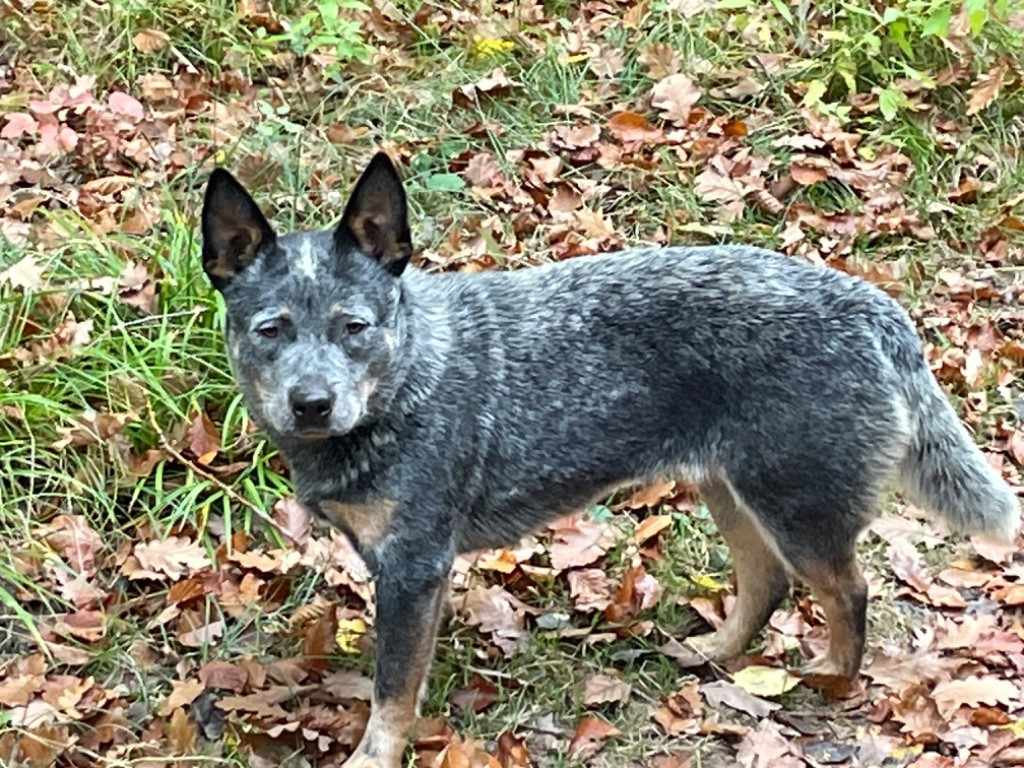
[[412, 582]]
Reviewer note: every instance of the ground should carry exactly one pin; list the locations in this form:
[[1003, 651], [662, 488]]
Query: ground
[[164, 599]]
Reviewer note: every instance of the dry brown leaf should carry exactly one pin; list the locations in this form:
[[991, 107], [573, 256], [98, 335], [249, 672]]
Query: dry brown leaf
[[260, 13], [950, 695], [630, 127], [986, 88], [319, 639], [590, 734], [675, 97], [511, 751], [579, 542], [181, 732], [150, 40], [203, 438], [292, 519], [224, 675], [650, 495], [183, 693], [591, 589], [26, 273], [602, 689], [680, 711], [496, 612], [173, 556]]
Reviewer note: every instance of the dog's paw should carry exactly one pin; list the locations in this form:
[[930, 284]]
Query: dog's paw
[[711, 647]]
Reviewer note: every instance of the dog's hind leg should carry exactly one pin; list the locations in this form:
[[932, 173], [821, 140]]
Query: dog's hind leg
[[842, 591], [761, 579]]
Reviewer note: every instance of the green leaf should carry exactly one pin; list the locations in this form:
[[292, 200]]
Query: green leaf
[[445, 182], [815, 90], [977, 14], [898, 34], [937, 23], [889, 102], [783, 10]]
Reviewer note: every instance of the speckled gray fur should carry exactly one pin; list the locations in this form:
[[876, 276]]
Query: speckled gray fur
[[486, 404]]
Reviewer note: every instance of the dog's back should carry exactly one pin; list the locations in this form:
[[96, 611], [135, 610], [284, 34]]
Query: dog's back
[[731, 360]]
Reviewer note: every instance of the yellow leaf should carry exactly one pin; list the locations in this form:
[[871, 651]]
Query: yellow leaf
[[765, 681], [491, 46], [706, 582], [349, 632]]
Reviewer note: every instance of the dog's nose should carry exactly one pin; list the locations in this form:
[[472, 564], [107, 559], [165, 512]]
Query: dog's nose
[[311, 406]]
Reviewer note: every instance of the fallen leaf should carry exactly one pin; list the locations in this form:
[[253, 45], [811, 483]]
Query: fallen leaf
[[950, 695], [183, 693], [721, 692], [603, 689], [26, 273], [173, 557], [150, 40], [292, 519], [590, 734], [675, 96], [203, 438], [986, 88], [765, 681]]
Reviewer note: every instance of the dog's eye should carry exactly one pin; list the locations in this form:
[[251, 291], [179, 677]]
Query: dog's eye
[[269, 331], [355, 327]]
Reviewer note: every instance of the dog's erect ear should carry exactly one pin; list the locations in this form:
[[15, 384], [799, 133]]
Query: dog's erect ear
[[234, 229], [376, 218]]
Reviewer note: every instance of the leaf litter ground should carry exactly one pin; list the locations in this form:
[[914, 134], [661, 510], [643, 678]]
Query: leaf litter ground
[[165, 600]]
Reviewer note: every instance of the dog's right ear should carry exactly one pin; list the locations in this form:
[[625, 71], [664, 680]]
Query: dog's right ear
[[234, 229]]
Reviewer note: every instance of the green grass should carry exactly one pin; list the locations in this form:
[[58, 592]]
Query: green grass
[[161, 370]]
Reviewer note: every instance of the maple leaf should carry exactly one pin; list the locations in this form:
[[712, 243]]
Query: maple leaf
[[675, 96]]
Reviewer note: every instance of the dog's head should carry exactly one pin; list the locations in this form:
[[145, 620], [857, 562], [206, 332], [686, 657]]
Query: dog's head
[[314, 321]]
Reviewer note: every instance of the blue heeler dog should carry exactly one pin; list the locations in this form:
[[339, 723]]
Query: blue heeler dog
[[426, 415]]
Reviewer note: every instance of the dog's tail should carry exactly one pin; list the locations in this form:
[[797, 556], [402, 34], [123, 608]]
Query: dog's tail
[[943, 470]]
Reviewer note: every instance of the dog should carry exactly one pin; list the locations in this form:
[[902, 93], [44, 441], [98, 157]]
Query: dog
[[430, 414]]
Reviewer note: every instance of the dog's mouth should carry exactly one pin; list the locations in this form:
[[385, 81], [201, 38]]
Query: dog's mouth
[[312, 435]]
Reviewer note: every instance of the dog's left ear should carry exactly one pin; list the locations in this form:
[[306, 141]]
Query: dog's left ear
[[376, 217]]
